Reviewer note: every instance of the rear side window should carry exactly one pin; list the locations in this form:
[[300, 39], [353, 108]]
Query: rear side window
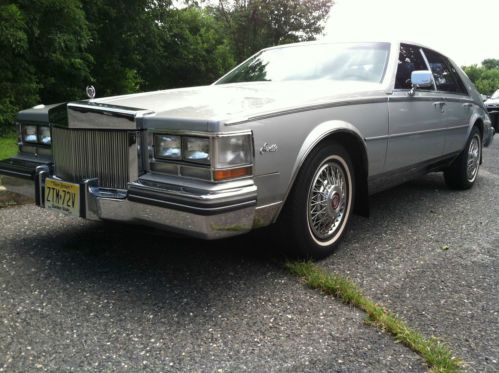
[[446, 77], [410, 59]]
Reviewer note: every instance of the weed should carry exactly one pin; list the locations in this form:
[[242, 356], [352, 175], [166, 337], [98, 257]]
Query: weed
[[436, 354]]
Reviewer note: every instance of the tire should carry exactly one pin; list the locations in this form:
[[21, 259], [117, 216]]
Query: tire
[[463, 172], [318, 209]]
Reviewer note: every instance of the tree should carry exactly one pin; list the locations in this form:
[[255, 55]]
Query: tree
[[58, 38], [184, 47], [256, 24], [485, 77], [117, 29], [490, 63], [18, 83]]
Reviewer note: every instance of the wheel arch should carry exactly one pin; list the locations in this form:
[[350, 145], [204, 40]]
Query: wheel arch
[[478, 122], [348, 136]]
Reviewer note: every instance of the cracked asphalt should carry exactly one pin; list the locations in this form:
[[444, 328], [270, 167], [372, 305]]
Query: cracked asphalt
[[78, 295]]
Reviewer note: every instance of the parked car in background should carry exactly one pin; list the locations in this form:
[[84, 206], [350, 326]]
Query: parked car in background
[[492, 105], [297, 135]]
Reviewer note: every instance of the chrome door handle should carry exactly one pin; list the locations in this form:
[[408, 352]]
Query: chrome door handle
[[439, 104]]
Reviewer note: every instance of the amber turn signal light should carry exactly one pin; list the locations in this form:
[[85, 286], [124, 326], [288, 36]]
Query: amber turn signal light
[[219, 175]]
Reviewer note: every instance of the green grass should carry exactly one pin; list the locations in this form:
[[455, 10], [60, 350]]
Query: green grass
[[436, 354], [8, 146]]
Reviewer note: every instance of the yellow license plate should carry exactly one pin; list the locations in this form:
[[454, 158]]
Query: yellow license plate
[[62, 196]]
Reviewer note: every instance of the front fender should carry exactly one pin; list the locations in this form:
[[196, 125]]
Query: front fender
[[320, 133]]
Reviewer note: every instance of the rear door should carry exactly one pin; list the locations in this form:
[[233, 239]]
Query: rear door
[[458, 104], [416, 123]]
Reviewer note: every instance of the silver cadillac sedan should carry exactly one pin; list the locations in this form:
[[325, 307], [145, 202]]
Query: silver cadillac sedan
[[298, 135]]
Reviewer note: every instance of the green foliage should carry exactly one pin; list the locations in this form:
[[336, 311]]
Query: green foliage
[[58, 39], [8, 146], [117, 29], [485, 77], [490, 63], [256, 24], [52, 49], [184, 47], [18, 82]]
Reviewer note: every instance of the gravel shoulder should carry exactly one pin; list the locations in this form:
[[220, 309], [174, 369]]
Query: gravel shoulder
[[78, 295], [434, 260]]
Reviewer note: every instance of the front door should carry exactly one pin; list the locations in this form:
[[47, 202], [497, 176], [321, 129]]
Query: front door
[[416, 123]]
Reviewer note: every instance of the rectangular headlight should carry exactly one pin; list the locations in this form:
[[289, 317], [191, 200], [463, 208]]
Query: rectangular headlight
[[197, 149], [167, 146], [44, 136], [233, 151], [29, 133]]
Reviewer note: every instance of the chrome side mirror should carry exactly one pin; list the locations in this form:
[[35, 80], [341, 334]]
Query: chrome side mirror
[[420, 79]]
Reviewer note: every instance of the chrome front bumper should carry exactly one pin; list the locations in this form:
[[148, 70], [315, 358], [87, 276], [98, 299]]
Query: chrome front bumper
[[215, 211]]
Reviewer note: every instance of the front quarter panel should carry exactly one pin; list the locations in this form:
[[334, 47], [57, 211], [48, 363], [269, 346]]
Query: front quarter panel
[[293, 136]]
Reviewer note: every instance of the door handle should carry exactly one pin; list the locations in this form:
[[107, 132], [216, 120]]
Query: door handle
[[467, 104], [439, 104]]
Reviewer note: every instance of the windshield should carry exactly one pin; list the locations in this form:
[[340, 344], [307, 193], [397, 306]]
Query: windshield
[[360, 62], [495, 95]]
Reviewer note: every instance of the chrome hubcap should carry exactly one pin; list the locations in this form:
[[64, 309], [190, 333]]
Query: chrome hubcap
[[473, 158], [327, 200]]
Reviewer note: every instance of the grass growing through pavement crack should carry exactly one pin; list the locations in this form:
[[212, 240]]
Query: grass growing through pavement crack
[[436, 354]]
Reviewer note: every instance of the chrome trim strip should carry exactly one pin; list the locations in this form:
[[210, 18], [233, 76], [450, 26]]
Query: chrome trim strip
[[15, 173], [189, 208], [428, 66], [201, 197], [436, 95], [348, 102], [160, 131], [87, 115], [96, 107], [384, 137]]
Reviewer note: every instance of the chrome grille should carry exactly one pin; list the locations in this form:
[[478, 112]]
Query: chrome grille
[[87, 154]]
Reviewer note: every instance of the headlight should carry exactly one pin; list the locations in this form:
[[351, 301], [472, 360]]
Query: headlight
[[216, 158], [167, 146], [233, 151], [197, 149], [44, 135], [29, 134]]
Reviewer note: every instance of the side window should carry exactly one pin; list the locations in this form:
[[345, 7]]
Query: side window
[[410, 59], [446, 77]]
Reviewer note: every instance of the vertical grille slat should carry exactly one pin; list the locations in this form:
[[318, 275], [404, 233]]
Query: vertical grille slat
[[87, 154]]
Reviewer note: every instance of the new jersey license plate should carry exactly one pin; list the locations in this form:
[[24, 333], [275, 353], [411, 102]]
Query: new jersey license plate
[[62, 196]]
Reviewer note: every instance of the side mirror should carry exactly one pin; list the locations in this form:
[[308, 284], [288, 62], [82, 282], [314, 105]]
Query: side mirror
[[421, 79]]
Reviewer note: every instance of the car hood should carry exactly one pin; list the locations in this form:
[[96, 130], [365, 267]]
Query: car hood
[[492, 101], [241, 101]]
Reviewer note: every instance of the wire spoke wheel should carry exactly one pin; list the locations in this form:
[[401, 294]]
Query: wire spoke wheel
[[318, 209], [328, 199], [463, 171], [473, 158]]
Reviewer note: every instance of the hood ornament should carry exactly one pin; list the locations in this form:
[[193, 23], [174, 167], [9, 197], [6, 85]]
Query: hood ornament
[[90, 91]]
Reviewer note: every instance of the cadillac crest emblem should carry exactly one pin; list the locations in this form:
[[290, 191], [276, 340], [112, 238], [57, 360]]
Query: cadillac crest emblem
[[90, 91]]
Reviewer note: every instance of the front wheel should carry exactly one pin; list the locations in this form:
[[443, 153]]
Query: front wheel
[[319, 207], [462, 173]]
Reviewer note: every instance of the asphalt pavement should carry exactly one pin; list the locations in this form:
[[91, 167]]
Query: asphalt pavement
[[78, 295]]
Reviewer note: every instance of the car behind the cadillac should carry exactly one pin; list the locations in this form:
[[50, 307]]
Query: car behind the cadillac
[[297, 135]]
